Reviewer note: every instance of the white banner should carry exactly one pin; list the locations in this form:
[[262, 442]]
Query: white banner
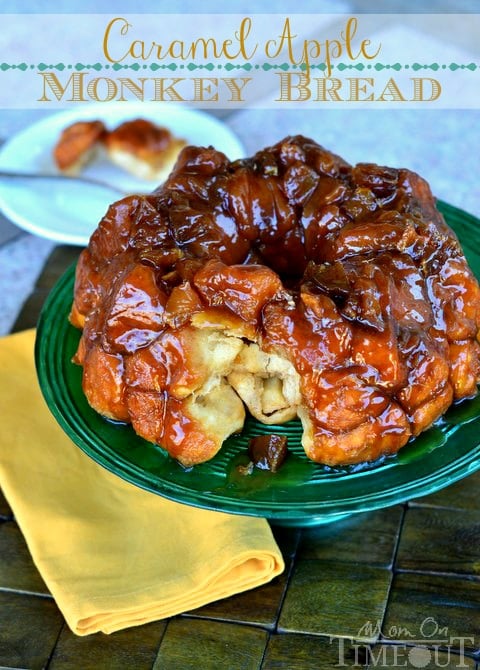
[[302, 61]]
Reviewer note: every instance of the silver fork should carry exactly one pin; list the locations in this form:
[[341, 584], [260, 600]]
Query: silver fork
[[85, 180]]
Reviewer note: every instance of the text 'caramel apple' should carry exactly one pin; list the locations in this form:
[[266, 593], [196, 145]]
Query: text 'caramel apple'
[[290, 283]]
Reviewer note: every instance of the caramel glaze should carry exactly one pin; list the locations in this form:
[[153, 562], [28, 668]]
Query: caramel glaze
[[140, 137], [75, 143], [349, 272]]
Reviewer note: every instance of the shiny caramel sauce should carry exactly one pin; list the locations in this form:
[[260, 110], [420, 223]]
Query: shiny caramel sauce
[[140, 137], [350, 272]]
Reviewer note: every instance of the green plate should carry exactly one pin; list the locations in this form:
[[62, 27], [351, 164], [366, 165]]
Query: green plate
[[301, 492]]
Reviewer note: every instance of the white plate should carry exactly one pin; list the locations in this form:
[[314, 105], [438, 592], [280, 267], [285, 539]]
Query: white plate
[[69, 213]]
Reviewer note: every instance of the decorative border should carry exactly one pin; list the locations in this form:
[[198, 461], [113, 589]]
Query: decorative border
[[245, 66]]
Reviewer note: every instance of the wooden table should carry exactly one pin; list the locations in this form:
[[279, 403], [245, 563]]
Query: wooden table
[[383, 589]]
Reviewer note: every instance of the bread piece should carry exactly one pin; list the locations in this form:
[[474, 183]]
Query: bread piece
[[78, 145], [144, 149]]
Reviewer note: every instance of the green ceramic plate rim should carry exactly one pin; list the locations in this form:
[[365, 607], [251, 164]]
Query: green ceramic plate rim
[[50, 364]]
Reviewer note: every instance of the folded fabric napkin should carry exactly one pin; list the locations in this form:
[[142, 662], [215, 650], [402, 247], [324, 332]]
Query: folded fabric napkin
[[112, 554]]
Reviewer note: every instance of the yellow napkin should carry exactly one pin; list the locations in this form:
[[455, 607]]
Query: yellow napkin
[[112, 554]]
